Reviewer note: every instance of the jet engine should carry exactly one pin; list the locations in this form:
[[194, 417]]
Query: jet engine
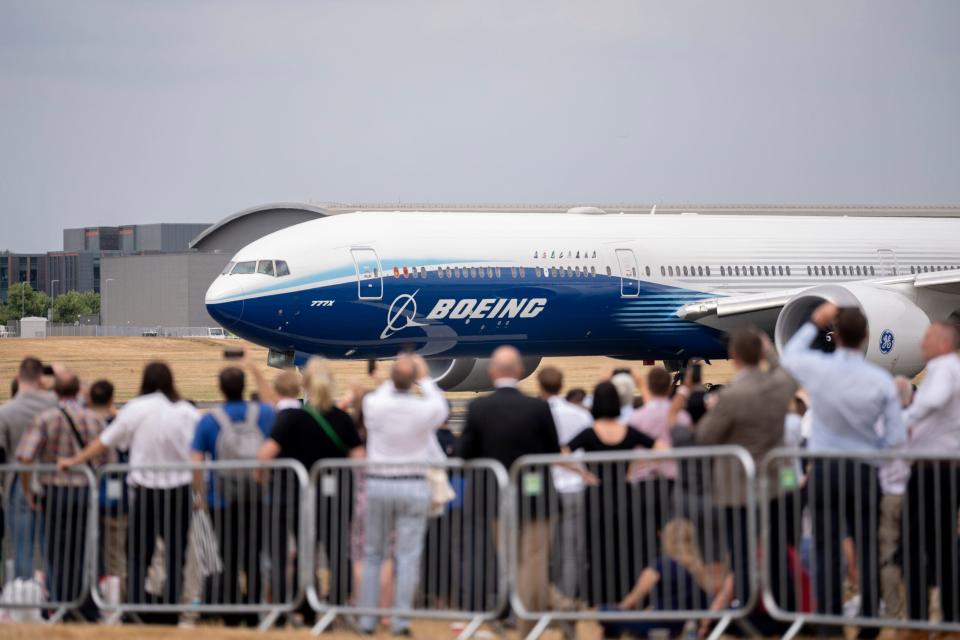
[[895, 324], [470, 374]]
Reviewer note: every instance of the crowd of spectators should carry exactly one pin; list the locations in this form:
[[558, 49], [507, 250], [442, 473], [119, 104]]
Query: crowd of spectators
[[620, 535]]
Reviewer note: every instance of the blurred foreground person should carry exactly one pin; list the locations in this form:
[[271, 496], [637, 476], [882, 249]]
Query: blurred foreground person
[[401, 425], [157, 428], [933, 491], [505, 425], [848, 398], [65, 500], [31, 399]]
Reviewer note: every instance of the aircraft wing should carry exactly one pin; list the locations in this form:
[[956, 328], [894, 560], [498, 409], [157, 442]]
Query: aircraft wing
[[940, 281]]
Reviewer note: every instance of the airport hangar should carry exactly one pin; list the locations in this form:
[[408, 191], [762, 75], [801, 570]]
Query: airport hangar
[[168, 290]]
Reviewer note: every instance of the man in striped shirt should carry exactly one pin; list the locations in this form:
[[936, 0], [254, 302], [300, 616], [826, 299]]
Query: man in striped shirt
[[65, 504]]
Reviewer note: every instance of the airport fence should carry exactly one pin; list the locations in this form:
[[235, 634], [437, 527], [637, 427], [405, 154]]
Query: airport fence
[[635, 541], [872, 539], [376, 520], [591, 531], [48, 546], [129, 331]]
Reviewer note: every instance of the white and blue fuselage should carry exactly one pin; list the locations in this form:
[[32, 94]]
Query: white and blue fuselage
[[456, 285]]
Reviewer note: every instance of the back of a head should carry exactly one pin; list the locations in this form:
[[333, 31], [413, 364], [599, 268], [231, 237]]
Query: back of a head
[[606, 401], [30, 371], [746, 347], [157, 376], [626, 387], [287, 384], [506, 363], [403, 373], [851, 327], [318, 383], [949, 333], [100, 394], [66, 385], [550, 379], [659, 382], [576, 396], [232, 383]]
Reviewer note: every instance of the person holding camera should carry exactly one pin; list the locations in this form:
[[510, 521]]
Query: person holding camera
[[848, 398]]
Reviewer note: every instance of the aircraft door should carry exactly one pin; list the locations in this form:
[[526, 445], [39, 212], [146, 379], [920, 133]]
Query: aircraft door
[[369, 274], [888, 262], [629, 274]]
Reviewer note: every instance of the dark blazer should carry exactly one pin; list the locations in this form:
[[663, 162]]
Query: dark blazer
[[507, 424]]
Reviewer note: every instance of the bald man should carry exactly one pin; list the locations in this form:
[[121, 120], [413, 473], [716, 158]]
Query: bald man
[[504, 426], [933, 491]]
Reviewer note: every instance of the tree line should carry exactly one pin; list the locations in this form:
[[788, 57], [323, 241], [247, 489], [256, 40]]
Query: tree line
[[24, 301]]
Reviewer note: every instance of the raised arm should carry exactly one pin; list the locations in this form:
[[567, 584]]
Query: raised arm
[[799, 357]]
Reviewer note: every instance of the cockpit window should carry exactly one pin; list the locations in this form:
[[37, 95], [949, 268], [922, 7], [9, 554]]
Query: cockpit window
[[265, 267], [245, 267], [227, 269], [282, 268]]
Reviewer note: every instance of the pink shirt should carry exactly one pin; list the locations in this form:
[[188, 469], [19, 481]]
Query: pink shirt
[[651, 419]]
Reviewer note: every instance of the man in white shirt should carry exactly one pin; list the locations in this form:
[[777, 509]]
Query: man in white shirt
[[400, 425], [570, 420], [933, 491]]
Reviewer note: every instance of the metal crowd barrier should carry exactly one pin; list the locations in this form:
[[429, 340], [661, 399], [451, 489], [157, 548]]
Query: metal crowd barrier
[[634, 511], [46, 550], [237, 548], [862, 539], [377, 531]]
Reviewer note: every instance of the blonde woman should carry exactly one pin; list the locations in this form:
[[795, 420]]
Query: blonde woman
[[677, 580], [316, 431]]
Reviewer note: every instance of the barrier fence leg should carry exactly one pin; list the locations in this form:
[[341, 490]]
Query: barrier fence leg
[[471, 628], [793, 630], [269, 620], [57, 615], [720, 628], [324, 622], [538, 630]]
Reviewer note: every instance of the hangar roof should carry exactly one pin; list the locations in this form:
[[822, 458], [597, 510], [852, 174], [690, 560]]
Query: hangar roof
[[240, 229]]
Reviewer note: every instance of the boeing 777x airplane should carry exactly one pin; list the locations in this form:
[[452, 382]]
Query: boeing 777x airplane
[[455, 285]]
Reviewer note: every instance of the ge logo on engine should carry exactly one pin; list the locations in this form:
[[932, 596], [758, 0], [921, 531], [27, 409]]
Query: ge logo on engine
[[886, 341]]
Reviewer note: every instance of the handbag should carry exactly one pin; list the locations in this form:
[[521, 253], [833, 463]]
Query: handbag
[[441, 491]]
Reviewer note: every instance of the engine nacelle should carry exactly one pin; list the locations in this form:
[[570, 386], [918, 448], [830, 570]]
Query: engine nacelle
[[470, 374], [895, 324]]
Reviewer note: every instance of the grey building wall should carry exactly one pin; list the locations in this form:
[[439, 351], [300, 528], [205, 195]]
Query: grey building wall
[[73, 239], [159, 289]]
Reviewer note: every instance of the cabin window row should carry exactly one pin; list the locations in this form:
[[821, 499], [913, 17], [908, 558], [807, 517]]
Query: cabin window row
[[679, 271], [841, 270], [931, 268]]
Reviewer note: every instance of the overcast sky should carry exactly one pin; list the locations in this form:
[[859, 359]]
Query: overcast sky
[[120, 112]]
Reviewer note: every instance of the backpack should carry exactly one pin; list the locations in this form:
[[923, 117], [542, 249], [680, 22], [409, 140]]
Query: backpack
[[238, 441]]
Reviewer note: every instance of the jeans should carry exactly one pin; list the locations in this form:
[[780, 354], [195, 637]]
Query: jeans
[[24, 527], [403, 503], [569, 561]]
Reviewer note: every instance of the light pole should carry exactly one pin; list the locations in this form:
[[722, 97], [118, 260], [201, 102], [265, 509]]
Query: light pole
[[103, 307], [53, 296]]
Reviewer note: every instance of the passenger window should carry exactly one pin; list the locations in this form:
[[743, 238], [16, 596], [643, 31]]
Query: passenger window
[[685, 272], [593, 271], [456, 273], [751, 269], [489, 272], [481, 272], [809, 271], [648, 271], [282, 268], [737, 270], [723, 270], [780, 270], [523, 272], [708, 270], [245, 267], [699, 271], [227, 268], [872, 272], [766, 271], [608, 271], [788, 270]]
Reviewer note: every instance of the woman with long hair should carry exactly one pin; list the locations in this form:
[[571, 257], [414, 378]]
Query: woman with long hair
[[157, 428], [316, 431]]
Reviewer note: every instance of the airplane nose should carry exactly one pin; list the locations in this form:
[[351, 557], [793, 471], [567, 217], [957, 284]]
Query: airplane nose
[[224, 301]]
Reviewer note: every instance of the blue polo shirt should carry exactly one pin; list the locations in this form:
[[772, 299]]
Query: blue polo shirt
[[208, 430]]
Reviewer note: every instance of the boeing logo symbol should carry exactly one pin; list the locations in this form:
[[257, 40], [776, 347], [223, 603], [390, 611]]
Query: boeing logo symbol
[[886, 341], [401, 314]]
